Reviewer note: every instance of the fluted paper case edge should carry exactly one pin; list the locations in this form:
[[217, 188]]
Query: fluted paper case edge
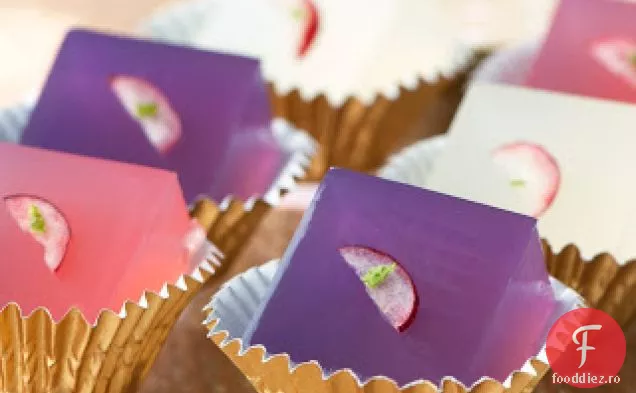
[[277, 373], [40, 354], [602, 281], [361, 135]]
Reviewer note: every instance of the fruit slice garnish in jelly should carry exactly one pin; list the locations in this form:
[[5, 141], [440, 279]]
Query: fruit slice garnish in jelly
[[150, 108], [386, 282], [44, 222], [618, 56], [307, 15], [532, 172]]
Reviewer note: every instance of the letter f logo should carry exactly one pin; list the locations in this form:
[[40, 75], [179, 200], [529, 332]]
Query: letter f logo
[[583, 346]]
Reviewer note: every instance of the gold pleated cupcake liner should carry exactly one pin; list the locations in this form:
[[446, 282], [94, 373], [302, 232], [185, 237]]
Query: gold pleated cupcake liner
[[231, 224], [604, 283], [39, 354], [361, 136], [276, 373]]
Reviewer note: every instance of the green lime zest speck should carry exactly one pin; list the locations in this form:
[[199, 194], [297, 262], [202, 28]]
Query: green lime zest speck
[[377, 275], [298, 13], [37, 220], [146, 109], [517, 182]]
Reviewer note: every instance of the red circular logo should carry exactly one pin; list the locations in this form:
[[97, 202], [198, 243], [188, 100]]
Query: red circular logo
[[586, 348]]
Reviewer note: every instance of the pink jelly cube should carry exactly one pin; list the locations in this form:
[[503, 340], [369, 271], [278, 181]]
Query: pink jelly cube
[[590, 51], [86, 233]]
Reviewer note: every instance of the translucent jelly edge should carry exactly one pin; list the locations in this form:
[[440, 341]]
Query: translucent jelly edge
[[301, 147], [201, 272]]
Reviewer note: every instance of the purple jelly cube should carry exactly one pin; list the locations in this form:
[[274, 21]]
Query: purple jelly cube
[[203, 115], [463, 286]]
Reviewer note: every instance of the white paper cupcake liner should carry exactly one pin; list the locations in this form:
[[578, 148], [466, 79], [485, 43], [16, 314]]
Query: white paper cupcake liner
[[414, 164], [232, 308], [301, 149], [510, 65], [239, 298]]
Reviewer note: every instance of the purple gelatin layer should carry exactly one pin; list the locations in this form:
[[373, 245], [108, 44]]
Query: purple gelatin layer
[[203, 115], [482, 296]]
